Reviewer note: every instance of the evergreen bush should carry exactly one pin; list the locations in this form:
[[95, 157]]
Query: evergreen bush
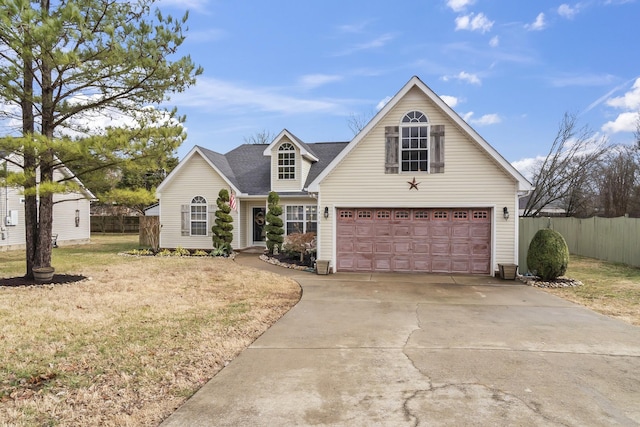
[[273, 228], [222, 236], [548, 255]]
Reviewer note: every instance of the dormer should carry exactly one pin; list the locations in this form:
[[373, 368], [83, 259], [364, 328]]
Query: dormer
[[291, 160]]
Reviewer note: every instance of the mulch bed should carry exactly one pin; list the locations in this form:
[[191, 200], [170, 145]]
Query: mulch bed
[[58, 279]]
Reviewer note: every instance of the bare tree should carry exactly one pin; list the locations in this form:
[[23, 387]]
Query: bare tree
[[357, 122], [573, 154], [619, 173], [262, 137]]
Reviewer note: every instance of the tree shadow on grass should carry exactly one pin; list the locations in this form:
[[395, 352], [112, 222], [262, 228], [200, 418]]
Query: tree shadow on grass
[[58, 279]]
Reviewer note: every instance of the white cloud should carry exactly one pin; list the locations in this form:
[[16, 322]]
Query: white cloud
[[538, 24], [451, 101], [312, 81], [494, 42], [465, 77], [487, 119], [458, 5], [373, 44], [625, 122], [214, 94], [630, 104], [353, 28], [567, 11], [473, 22], [209, 35], [527, 166], [583, 80], [630, 100], [382, 103]]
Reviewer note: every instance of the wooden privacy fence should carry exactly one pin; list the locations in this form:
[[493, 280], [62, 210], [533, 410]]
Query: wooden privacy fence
[[114, 224], [608, 239]]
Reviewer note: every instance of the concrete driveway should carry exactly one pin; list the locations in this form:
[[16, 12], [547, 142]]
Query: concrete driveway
[[426, 350]]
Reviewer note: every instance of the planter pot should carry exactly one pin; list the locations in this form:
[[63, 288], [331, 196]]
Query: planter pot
[[508, 271], [43, 274], [322, 267]]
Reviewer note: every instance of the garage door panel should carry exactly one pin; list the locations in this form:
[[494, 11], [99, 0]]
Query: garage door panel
[[383, 247], [402, 247], [364, 247], [421, 240], [441, 265]]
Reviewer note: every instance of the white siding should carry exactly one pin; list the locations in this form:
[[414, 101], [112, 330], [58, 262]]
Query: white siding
[[471, 179], [197, 178], [283, 185], [64, 214]]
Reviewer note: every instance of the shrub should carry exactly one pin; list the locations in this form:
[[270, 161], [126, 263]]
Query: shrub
[[180, 251], [548, 255], [222, 236], [274, 225], [300, 244]]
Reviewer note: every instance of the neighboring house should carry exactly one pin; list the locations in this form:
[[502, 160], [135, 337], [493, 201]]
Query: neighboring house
[[71, 222], [554, 208], [395, 198]]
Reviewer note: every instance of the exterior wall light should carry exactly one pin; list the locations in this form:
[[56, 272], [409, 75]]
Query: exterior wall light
[[505, 212], [326, 212]]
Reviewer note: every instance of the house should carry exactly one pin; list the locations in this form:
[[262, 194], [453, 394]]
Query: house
[[71, 222], [416, 190]]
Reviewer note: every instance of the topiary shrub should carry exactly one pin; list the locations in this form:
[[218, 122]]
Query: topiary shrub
[[548, 255], [274, 225], [222, 236]]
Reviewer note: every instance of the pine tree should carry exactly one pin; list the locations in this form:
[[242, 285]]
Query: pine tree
[[222, 236], [274, 225], [65, 63]]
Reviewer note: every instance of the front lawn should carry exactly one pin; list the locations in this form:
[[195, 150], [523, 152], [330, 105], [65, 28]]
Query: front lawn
[[610, 289], [131, 343]]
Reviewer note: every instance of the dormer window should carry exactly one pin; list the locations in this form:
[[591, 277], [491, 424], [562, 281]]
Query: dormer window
[[414, 142], [287, 161]]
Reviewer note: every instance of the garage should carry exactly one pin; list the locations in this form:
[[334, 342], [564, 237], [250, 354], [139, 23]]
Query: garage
[[414, 240]]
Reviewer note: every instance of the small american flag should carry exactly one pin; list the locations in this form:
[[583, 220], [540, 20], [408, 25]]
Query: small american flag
[[232, 201]]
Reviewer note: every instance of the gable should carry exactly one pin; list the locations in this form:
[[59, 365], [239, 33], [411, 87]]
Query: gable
[[415, 95]]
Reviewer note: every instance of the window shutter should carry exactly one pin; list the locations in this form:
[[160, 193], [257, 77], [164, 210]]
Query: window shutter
[[436, 149], [185, 221], [391, 136], [212, 219]]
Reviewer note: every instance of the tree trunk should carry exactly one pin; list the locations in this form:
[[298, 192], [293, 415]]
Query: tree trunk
[[29, 167]]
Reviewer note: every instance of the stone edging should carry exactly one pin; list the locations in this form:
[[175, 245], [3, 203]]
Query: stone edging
[[274, 261], [561, 282]]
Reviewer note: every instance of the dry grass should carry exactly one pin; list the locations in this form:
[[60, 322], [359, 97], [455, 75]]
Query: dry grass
[[129, 345], [610, 289]]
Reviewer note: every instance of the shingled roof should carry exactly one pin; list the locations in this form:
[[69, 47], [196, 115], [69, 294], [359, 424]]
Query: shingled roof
[[249, 170]]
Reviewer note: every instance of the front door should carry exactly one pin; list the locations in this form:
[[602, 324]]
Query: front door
[[258, 225]]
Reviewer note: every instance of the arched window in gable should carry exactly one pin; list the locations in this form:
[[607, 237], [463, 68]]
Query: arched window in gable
[[287, 161], [414, 142]]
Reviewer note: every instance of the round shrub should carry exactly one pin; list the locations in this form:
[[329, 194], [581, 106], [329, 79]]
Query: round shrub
[[548, 255]]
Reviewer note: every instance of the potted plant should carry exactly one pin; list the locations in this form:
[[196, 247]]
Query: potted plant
[[43, 274]]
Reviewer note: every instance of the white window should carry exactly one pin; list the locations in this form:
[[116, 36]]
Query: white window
[[414, 142], [198, 216], [301, 219], [286, 161]]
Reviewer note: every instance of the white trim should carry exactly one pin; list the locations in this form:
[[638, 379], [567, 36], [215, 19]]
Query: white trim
[[523, 183], [185, 160], [294, 140]]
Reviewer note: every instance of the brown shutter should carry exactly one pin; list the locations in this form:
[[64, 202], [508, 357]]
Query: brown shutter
[[391, 136], [185, 220], [212, 219], [436, 149]]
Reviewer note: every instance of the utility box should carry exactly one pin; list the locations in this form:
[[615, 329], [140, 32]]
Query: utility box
[[11, 218]]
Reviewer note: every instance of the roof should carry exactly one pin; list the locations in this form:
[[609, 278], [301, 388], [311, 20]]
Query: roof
[[247, 169], [523, 183]]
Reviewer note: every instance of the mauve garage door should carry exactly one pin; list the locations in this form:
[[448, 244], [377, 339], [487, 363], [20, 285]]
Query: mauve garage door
[[415, 240]]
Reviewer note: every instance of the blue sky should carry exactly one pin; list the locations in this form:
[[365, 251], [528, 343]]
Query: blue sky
[[510, 68]]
